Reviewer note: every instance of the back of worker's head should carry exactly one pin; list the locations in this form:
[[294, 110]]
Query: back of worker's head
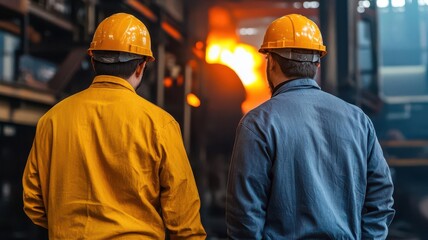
[[106, 63], [120, 44], [295, 69], [295, 43]]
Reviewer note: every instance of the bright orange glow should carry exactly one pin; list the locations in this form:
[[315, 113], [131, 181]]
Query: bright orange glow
[[199, 45], [242, 58], [143, 9], [172, 31], [223, 47], [246, 62], [167, 82], [248, 65], [213, 53], [220, 17], [193, 100]]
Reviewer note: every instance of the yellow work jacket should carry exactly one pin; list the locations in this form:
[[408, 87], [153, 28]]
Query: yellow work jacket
[[107, 164]]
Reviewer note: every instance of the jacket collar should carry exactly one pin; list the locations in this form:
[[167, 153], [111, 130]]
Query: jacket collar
[[295, 84], [106, 79]]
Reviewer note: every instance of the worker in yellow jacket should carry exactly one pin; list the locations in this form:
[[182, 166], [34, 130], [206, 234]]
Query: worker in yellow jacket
[[106, 163]]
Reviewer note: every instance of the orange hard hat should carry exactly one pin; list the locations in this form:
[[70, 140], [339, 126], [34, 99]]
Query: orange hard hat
[[122, 32], [293, 31]]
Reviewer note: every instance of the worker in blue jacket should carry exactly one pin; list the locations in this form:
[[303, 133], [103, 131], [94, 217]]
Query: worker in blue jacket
[[305, 164]]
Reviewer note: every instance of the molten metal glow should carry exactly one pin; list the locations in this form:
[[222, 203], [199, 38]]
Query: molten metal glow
[[193, 100], [247, 64]]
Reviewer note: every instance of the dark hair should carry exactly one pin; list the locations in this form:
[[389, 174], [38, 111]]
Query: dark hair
[[295, 69], [120, 69]]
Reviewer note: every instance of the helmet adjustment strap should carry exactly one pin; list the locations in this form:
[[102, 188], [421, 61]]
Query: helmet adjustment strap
[[291, 54]]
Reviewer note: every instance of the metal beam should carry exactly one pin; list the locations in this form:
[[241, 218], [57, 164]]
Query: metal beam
[[329, 62], [67, 69], [346, 18], [339, 25]]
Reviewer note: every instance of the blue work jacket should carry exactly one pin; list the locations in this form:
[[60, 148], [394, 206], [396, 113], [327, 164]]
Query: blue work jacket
[[307, 165]]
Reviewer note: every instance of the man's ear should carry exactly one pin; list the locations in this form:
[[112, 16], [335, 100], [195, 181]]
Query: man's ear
[[140, 69], [272, 63]]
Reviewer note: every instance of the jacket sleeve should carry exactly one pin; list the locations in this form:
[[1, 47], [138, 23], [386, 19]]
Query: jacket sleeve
[[378, 212], [32, 192], [248, 186], [179, 196]]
